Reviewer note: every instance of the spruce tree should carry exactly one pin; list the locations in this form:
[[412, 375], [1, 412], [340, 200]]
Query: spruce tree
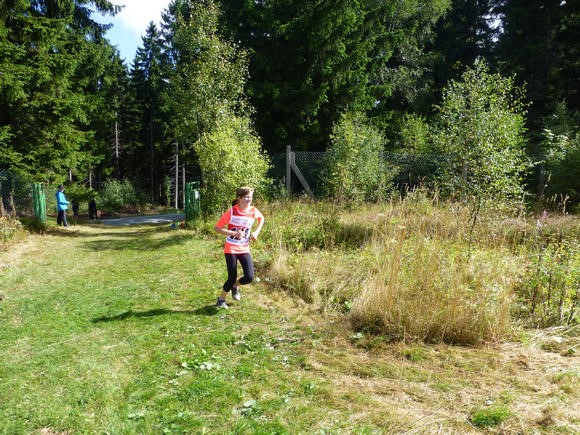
[[151, 152], [48, 88]]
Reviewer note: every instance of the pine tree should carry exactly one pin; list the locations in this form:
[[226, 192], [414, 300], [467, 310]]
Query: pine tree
[[465, 33], [46, 89], [149, 82], [539, 43]]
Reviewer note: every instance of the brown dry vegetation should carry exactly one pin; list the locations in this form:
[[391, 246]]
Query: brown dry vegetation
[[417, 388], [389, 288]]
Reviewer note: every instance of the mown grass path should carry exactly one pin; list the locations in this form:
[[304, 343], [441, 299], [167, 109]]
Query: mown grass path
[[113, 330]]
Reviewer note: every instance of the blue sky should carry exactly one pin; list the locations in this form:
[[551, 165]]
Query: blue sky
[[130, 24]]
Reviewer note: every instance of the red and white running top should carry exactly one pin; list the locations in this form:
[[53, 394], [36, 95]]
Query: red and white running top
[[237, 219]]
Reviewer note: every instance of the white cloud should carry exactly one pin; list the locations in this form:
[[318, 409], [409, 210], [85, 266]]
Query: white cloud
[[137, 14]]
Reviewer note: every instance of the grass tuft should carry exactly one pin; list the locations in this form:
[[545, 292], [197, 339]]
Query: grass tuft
[[490, 417]]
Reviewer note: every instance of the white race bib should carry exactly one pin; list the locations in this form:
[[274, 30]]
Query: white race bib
[[240, 223]]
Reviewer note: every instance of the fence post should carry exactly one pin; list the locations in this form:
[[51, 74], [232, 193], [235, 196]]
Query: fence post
[[39, 203], [291, 166], [192, 201], [288, 171]]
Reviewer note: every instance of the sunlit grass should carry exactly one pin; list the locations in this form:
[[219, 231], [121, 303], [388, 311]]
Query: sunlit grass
[[109, 329], [113, 330]]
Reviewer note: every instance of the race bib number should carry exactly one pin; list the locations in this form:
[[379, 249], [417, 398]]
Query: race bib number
[[243, 224]]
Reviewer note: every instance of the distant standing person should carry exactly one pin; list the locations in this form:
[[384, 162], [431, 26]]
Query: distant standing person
[[62, 206], [92, 210], [75, 209], [236, 224]]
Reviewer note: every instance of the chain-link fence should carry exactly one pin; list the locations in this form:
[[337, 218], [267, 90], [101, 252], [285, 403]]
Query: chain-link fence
[[412, 169], [16, 194], [409, 169], [311, 164]]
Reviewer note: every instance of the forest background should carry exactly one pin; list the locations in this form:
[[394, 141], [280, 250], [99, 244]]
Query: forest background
[[463, 249], [218, 82]]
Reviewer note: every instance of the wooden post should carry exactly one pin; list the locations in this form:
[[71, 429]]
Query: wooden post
[[183, 183]]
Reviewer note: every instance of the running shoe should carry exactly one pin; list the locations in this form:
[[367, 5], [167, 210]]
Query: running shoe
[[221, 304]]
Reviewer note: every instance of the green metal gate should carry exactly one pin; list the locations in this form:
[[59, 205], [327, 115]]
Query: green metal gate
[[39, 203], [192, 201]]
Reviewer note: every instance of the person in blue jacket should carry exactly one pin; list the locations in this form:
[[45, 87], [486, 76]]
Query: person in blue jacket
[[62, 206]]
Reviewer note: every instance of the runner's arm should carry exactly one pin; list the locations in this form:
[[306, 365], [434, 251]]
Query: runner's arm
[[255, 233]]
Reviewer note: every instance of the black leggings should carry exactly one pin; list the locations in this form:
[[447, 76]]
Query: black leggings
[[232, 265]]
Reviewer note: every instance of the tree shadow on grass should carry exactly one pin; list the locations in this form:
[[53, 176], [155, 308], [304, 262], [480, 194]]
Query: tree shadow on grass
[[210, 310], [135, 238], [143, 239], [142, 243], [76, 231]]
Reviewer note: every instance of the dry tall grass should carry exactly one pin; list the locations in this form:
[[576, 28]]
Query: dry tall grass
[[431, 290], [412, 269]]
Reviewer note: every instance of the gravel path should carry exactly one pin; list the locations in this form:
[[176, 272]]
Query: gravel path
[[140, 220]]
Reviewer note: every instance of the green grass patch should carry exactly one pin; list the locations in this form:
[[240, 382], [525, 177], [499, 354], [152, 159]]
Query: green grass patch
[[108, 329], [490, 417]]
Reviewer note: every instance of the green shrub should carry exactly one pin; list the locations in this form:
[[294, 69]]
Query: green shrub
[[117, 195], [415, 134], [480, 129], [354, 168], [230, 156]]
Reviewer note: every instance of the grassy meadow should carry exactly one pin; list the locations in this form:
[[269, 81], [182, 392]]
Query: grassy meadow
[[395, 318]]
